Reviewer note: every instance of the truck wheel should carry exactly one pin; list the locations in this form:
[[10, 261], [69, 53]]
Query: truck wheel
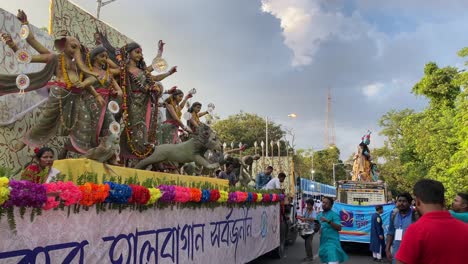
[[279, 251]]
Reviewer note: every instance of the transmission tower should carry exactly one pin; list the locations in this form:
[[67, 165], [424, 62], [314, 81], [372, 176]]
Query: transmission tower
[[329, 123]]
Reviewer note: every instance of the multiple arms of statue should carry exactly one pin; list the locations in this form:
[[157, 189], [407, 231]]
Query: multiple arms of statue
[[162, 76], [31, 39], [113, 67]]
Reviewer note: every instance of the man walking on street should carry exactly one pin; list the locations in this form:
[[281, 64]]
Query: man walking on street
[[377, 242], [437, 237], [330, 250], [399, 223], [460, 207]]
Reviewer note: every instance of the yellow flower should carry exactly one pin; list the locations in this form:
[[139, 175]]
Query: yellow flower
[[259, 198], [223, 196], [4, 194], [4, 181], [155, 194]]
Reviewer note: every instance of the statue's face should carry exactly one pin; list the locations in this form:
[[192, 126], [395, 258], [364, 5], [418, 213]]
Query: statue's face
[[71, 46], [101, 58], [179, 97], [136, 54], [197, 109]]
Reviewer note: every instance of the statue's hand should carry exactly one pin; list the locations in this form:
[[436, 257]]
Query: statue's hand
[[161, 46], [173, 70], [100, 100], [22, 17], [6, 38]]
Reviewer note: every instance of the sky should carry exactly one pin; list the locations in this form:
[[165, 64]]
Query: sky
[[276, 57]]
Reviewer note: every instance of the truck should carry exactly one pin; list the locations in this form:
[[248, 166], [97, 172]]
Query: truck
[[355, 204], [361, 193]]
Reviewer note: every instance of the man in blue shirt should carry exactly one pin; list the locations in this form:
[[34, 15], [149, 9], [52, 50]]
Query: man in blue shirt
[[460, 207], [263, 178], [399, 222]]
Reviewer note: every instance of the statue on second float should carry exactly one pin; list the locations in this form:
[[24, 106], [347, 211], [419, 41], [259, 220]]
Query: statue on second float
[[362, 160]]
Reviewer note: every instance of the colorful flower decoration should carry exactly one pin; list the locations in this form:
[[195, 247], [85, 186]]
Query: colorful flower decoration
[[205, 197], [27, 194], [195, 195], [223, 196], [214, 195], [182, 194], [68, 192], [274, 197], [93, 193], [259, 198], [140, 194], [4, 190], [254, 197], [119, 193], [249, 197], [155, 194], [266, 198], [168, 193], [232, 198], [281, 197]]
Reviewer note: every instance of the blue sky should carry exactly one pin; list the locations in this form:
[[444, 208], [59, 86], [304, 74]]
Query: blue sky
[[274, 57]]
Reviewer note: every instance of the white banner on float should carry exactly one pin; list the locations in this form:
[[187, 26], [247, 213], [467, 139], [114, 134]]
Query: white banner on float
[[203, 235]]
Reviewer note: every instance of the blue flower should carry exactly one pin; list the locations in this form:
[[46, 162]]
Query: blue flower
[[205, 196], [119, 193]]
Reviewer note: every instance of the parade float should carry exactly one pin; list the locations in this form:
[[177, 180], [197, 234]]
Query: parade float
[[82, 91]]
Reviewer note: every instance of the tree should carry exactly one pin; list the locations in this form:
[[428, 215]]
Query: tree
[[323, 165], [430, 143], [248, 128]]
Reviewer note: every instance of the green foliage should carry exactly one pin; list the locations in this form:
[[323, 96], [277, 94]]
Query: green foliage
[[323, 161], [248, 128], [432, 143]]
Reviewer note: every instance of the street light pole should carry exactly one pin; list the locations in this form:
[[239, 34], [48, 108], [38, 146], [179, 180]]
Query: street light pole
[[101, 4], [334, 178], [266, 136]]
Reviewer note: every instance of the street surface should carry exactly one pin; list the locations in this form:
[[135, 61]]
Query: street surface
[[357, 253]]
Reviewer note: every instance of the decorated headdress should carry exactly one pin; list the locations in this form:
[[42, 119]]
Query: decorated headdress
[[131, 46], [366, 138]]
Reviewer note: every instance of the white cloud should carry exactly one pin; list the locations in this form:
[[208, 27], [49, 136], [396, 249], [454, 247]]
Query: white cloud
[[373, 89], [306, 26]]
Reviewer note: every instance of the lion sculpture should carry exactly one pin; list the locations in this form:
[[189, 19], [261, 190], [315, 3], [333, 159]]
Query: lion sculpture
[[192, 150]]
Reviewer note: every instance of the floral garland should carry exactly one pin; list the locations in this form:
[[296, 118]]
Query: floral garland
[[123, 82], [52, 195], [176, 107], [26, 194], [68, 192], [196, 118], [4, 190], [69, 85]]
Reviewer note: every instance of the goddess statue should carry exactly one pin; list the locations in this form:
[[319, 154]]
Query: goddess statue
[[93, 118], [63, 74], [195, 111], [362, 161], [169, 132]]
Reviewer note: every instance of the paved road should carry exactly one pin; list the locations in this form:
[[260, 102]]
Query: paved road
[[358, 254]]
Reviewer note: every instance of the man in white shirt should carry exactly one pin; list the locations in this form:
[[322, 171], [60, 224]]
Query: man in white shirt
[[275, 183]]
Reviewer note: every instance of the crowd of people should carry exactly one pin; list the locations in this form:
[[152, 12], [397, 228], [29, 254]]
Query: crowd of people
[[421, 230]]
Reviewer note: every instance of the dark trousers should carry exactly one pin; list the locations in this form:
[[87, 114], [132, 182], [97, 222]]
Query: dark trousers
[[308, 245]]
